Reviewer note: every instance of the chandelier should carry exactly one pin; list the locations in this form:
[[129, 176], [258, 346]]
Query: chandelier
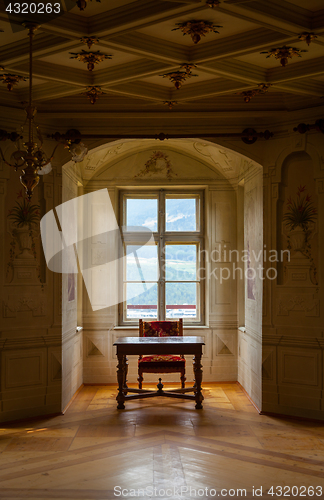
[[31, 158]]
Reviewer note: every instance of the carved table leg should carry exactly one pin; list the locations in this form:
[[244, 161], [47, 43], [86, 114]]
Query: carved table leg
[[125, 369], [121, 378], [198, 378]]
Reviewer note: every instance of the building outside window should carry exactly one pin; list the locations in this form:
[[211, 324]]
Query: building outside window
[[172, 264]]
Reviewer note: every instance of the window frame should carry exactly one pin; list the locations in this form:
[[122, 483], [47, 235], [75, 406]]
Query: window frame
[[162, 238]]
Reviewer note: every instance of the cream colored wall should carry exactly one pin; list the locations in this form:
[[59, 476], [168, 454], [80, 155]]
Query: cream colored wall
[[72, 338], [293, 316], [30, 330], [250, 337]]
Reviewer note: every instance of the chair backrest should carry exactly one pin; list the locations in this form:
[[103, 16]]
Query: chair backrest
[[161, 328]]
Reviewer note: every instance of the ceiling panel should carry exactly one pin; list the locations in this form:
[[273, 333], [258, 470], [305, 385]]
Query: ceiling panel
[[138, 34], [230, 26], [64, 58]]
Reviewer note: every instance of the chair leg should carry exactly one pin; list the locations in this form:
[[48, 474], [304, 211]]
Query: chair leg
[[140, 379], [183, 378]]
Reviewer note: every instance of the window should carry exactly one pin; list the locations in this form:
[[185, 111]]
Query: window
[[162, 277]]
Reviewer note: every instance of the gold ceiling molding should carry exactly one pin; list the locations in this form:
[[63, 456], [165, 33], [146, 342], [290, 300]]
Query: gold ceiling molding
[[178, 77], [83, 3], [89, 40], [93, 93], [197, 29], [307, 37], [91, 58], [248, 94], [11, 80], [283, 53]]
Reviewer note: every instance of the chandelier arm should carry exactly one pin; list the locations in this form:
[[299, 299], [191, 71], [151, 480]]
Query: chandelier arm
[[6, 162], [2, 156], [52, 156]]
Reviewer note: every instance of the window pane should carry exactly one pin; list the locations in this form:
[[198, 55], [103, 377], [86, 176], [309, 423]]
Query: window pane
[[180, 214], [180, 262], [181, 300], [141, 300], [141, 263], [142, 212]]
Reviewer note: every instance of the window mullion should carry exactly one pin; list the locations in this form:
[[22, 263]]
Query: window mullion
[[161, 288]]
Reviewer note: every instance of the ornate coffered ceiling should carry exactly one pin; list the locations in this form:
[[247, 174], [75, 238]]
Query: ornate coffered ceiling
[[138, 35]]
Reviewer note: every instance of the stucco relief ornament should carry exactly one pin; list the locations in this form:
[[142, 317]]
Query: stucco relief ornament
[[300, 221], [23, 220], [158, 163]]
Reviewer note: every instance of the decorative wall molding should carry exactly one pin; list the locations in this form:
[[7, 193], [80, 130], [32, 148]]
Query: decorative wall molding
[[275, 191], [24, 368], [298, 367], [8, 342], [320, 186], [289, 303], [223, 324], [48, 191], [268, 365], [3, 187], [36, 303]]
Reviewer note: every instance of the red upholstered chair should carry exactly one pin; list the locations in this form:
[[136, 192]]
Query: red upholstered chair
[[168, 363]]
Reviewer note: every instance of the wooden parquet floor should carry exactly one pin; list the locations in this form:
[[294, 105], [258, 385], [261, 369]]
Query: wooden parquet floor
[[95, 451]]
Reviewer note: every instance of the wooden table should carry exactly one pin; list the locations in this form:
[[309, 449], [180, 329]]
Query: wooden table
[[158, 345]]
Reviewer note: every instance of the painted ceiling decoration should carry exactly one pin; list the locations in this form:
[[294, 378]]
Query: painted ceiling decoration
[[197, 29], [139, 34], [170, 104], [11, 80], [248, 94], [307, 37], [90, 58], [213, 3], [89, 40], [284, 53], [178, 77], [93, 93]]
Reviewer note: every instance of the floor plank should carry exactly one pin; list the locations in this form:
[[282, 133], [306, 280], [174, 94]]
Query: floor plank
[[159, 443]]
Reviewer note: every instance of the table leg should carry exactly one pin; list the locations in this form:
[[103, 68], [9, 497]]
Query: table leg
[[198, 378], [125, 360], [121, 378]]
